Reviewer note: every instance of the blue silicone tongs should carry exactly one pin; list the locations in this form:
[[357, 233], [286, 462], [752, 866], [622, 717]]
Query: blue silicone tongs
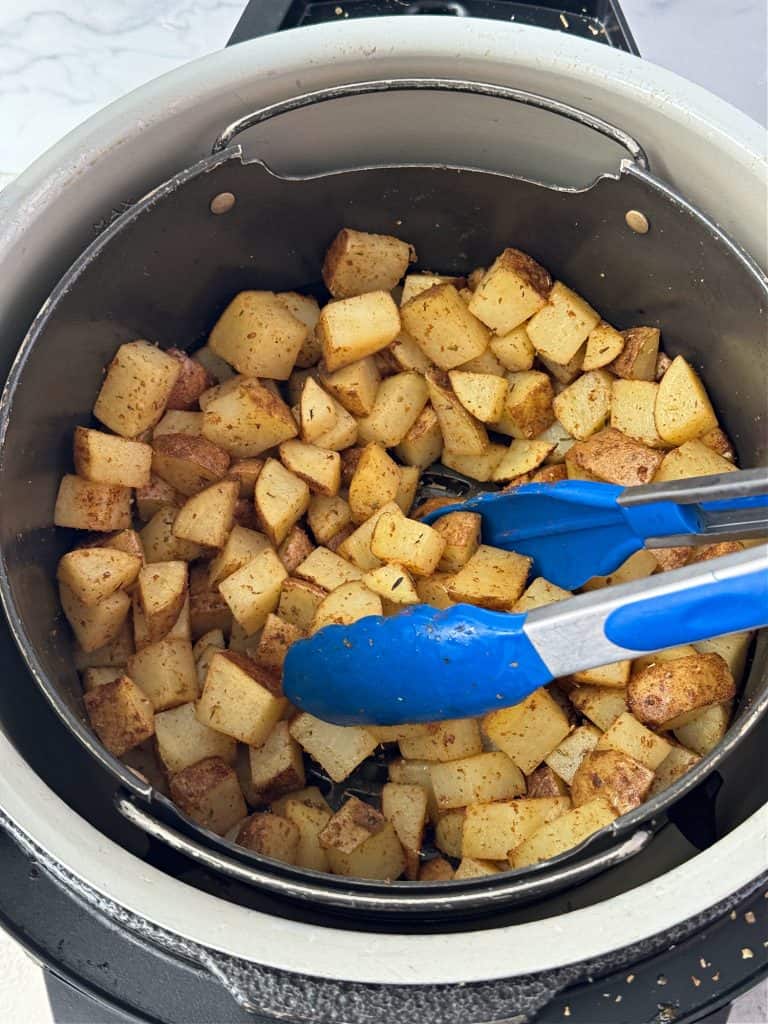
[[426, 665]]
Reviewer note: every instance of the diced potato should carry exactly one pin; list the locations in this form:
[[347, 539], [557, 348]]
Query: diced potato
[[309, 821], [337, 749], [355, 386], [306, 309], [461, 432], [298, 603], [96, 625], [277, 766], [86, 505], [120, 714], [327, 516], [544, 782], [637, 360], [471, 868], [405, 806], [318, 411], [678, 761], [683, 409], [616, 674], [492, 578], [240, 698], [632, 411], [358, 262], [486, 363], [478, 779], [437, 869], [248, 420], [136, 388], [636, 567], [414, 772], [584, 406], [271, 836], [246, 472], [540, 593], [207, 608], [374, 484], [179, 422], [189, 464], [615, 777], [604, 344], [276, 637], [354, 823], [253, 591], [281, 499], [668, 694], [481, 394], [478, 467], [611, 456], [557, 435], [733, 648], [443, 327], [514, 349], [166, 672], [240, 548], [691, 459], [353, 328], [327, 570], [491, 830], [346, 604], [529, 731], [206, 518], [565, 373], [560, 328], [341, 435], [295, 548], [629, 736], [399, 402], [98, 676], [514, 288], [719, 442], [192, 381], [449, 833], [407, 354], [310, 796], [392, 583], [318, 467], [414, 545], [109, 459], [219, 370], [406, 491], [208, 792], [565, 832], [415, 284], [114, 653], [381, 856], [703, 732], [94, 574], [162, 591], [182, 740], [155, 496], [566, 758], [528, 408], [521, 457], [461, 533], [448, 740], [258, 335]]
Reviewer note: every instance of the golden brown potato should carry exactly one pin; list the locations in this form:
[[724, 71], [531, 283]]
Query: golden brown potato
[[253, 591], [677, 762], [374, 484], [327, 570], [318, 411], [492, 578], [414, 545], [445, 330], [277, 766], [240, 548], [326, 516], [381, 856], [703, 732], [353, 328], [491, 830], [114, 653], [415, 284], [358, 262], [604, 344], [276, 637], [448, 740], [560, 328], [629, 736], [615, 777], [120, 715], [207, 517], [306, 309], [182, 740], [398, 404], [521, 457], [108, 459], [136, 388], [482, 394], [692, 459], [162, 591], [405, 806], [281, 499], [477, 467], [208, 792], [461, 533], [478, 779], [513, 289], [192, 381], [96, 625], [667, 694], [351, 825], [407, 354], [469, 867], [295, 548], [248, 420], [98, 676], [86, 505], [346, 604], [529, 731], [310, 821], [544, 782], [188, 464], [337, 749], [299, 601], [611, 456], [683, 409], [155, 496], [354, 386], [540, 593], [584, 406], [161, 544], [246, 473], [449, 829], [615, 674], [486, 364], [94, 573], [240, 698], [632, 411], [407, 488], [514, 349], [271, 836], [461, 432], [637, 360], [528, 409], [719, 442], [258, 335], [179, 422], [565, 832], [566, 758], [166, 673], [392, 583]]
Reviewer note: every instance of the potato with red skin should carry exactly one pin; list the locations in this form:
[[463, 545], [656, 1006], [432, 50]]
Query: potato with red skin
[[616, 777], [666, 694], [192, 381]]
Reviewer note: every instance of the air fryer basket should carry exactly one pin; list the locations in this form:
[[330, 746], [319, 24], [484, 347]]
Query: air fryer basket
[[165, 269]]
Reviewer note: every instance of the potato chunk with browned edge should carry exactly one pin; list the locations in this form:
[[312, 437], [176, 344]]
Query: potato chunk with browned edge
[[137, 386], [667, 694], [120, 714], [358, 262], [208, 792]]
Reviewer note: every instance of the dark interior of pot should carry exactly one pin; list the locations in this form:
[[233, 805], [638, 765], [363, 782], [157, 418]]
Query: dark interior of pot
[[165, 270]]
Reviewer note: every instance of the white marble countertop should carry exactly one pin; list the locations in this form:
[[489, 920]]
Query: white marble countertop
[[62, 60]]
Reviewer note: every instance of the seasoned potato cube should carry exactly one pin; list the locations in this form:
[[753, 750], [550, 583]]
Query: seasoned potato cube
[[346, 604], [246, 473], [241, 547], [628, 736], [544, 782], [443, 327], [469, 867], [486, 364], [479, 779], [632, 411], [407, 354], [691, 459], [399, 402], [392, 583], [381, 856], [565, 373], [179, 422], [610, 455], [253, 591], [351, 825], [318, 412], [492, 578], [540, 593], [258, 335], [353, 328], [461, 432], [415, 773], [733, 648], [120, 715], [206, 518], [98, 676], [342, 434], [306, 309], [560, 328], [678, 761], [437, 869], [310, 821], [96, 625], [639, 356], [683, 409], [161, 544], [604, 344], [719, 442], [668, 694], [514, 350], [94, 574], [162, 592], [192, 381], [295, 548], [327, 516], [166, 673], [415, 546], [616, 674], [114, 653], [136, 388], [415, 284], [449, 832], [188, 464], [182, 740], [405, 806], [271, 836], [327, 569], [240, 698], [481, 394], [478, 467], [310, 796], [583, 407], [276, 637], [355, 386], [107, 459], [299, 601], [374, 483], [155, 496], [461, 533], [281, 499], [616, 777], [529, 731], [337, 749], [514, 288], [565, 832], [491, 830], [636, 567], [86, 505], [703, 732], [566, 758], [277, 766], [528, 409], [358, 262], [522, 457], [448, 740], [248, 420]]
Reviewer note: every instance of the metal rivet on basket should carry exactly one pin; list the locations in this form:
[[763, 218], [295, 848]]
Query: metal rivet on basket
[[223, 203], [637, 222]]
